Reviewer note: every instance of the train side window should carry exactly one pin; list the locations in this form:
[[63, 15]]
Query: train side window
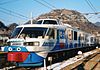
[[70, 34], [75, 35]]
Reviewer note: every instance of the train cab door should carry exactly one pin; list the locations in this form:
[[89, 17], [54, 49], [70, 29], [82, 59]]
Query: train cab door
[[61, 38], [75, 39]]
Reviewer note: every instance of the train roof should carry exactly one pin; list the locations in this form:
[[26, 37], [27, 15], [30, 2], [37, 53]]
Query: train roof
[[48, 19], [59, 25], [43, 25], [68, 25]]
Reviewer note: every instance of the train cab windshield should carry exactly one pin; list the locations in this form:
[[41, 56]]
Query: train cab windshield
[[33, 32], [47, 22]]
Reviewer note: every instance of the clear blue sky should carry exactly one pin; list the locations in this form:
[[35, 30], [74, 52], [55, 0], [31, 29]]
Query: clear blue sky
[[9, 8]]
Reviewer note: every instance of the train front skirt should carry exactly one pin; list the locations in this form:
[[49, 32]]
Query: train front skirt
[[25, 58]]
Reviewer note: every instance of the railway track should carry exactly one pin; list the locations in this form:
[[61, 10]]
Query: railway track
[[91, 62], [86, 61]]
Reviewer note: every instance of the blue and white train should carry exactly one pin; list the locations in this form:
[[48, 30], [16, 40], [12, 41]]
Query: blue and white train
[[30, 44]]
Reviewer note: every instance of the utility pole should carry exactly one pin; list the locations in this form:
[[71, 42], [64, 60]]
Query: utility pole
[[31, 18]]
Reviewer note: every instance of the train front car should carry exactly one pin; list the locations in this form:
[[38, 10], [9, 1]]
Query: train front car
[[29, 44]]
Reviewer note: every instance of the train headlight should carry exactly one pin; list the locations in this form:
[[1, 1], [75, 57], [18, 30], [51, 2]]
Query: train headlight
[[9, 49], [32, 43], [36, 43], [18, 49], [28, 43]]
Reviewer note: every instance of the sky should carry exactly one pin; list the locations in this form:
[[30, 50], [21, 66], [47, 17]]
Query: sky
[[19, 11]]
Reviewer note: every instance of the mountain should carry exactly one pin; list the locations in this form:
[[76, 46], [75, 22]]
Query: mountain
[[73, 18], [12, 26], [2, 26], [3, 29], [97, 23], [6, 30]]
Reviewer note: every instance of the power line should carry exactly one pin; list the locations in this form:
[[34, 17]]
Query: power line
[[91, 5], [43, 4], [93, 8], [14, 13], [49, 4], [96, 13], [9, 14]]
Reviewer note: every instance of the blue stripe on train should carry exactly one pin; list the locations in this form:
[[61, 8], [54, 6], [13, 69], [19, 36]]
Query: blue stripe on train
[[33, 58], [15, 48]]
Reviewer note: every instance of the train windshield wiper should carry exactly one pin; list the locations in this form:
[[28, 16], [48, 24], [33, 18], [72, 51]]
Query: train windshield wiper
[[20, 32]]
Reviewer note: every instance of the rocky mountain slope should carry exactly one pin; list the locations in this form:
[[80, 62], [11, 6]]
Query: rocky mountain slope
[[2, 25], [3, 28], [97, 23], [6, 30], [73, 18]]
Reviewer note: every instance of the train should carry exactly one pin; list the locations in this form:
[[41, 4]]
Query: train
[[30, 44]]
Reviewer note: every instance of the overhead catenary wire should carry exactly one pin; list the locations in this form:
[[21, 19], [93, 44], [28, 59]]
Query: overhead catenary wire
[[25, 17], [43, 4], [93, 8], [95, 13], [9, 14], [49, 4], [91, 5]]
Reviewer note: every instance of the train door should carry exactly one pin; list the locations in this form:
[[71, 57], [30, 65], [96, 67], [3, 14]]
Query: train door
[[61, 38], [75, 39], [79, 40]]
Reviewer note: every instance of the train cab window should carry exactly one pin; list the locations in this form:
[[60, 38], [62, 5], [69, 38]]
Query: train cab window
[[49, 22], [39, 22], [75, 35], [34, 32]]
